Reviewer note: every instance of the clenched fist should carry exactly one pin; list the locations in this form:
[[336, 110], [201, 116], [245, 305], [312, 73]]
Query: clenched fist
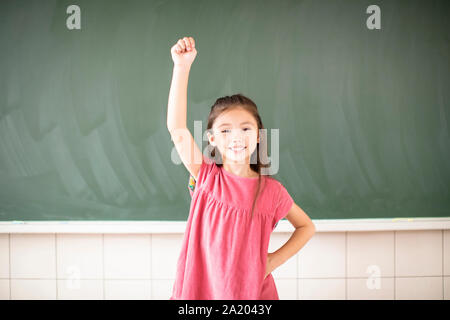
[[184, 52]]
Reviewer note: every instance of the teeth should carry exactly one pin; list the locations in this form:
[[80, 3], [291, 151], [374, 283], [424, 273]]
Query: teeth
[[237, 149]]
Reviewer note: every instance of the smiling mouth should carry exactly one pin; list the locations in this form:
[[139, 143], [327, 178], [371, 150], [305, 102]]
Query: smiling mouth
[[237, 149]]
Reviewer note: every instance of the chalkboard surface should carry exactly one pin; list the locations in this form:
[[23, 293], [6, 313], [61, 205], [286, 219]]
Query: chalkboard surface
[[363, 114]]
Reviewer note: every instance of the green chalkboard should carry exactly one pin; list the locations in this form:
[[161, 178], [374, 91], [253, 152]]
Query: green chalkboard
[[363, 114]]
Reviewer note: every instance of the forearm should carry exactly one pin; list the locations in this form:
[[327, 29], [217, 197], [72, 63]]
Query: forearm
[[177, 105], [297, 240]]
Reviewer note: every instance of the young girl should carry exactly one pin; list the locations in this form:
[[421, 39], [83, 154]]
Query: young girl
[[234, 208]]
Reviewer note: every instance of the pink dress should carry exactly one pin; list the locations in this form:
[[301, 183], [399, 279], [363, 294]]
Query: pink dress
[[223, 254]]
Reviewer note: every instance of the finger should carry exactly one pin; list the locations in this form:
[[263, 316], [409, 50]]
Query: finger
[[188, 43], [182, 44], [191, 40]]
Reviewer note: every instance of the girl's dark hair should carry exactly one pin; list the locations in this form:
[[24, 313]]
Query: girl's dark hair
[[239, 100]]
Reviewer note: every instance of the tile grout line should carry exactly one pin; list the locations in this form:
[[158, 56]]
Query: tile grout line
[[151, 279], [297, 271], [395, 270], [103, 264], [9, 244], [130, 279], [56, 265], [297, 275], [281, 278], [346, 264]]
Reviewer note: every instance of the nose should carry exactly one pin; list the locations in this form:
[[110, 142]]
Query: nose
[[237, 136]]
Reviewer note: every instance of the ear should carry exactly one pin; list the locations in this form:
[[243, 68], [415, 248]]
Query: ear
[[211, 139]]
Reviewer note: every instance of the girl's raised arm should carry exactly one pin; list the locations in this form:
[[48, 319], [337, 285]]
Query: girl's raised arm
[[183, 55]]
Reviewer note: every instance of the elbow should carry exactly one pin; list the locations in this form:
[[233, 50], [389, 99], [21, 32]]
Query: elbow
[[312, 228], [170, 125], [173, 130]]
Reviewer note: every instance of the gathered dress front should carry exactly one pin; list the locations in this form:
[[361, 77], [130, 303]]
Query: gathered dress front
[[224, 250]]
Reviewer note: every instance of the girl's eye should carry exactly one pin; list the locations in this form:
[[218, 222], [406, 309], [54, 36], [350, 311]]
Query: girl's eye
[[227, 130]]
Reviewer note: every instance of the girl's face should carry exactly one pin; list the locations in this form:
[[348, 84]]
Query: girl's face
[[235, 134]]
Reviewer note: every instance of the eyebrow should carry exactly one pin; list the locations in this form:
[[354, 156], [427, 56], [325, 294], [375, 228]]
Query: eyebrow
[[228, 124]]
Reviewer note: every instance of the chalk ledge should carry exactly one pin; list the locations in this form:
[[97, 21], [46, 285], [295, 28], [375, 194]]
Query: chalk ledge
[[168, 227]]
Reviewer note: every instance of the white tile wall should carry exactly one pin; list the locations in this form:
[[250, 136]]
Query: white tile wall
[[370, 254], [75, 288], [323, 256], [421, 288], [447, 288], [4, 257], [446, 250], [162, 289], [33, 256], [321, 289], [127, 289], [332, 265], [79, 256], [4, 289], [126, 256], [370, 288], [165, 252], [287, 288], [418, 253], [33, 289]]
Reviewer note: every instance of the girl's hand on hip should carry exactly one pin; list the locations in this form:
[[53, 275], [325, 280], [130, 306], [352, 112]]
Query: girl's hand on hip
[[184, 52]]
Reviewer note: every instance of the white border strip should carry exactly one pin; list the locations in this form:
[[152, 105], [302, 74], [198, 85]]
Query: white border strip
[[322, 225]]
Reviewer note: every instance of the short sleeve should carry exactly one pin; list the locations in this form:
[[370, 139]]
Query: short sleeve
[[284, 203], [205, 169]]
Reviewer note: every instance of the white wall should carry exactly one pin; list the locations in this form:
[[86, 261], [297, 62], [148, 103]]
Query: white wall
[[332, 265]]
